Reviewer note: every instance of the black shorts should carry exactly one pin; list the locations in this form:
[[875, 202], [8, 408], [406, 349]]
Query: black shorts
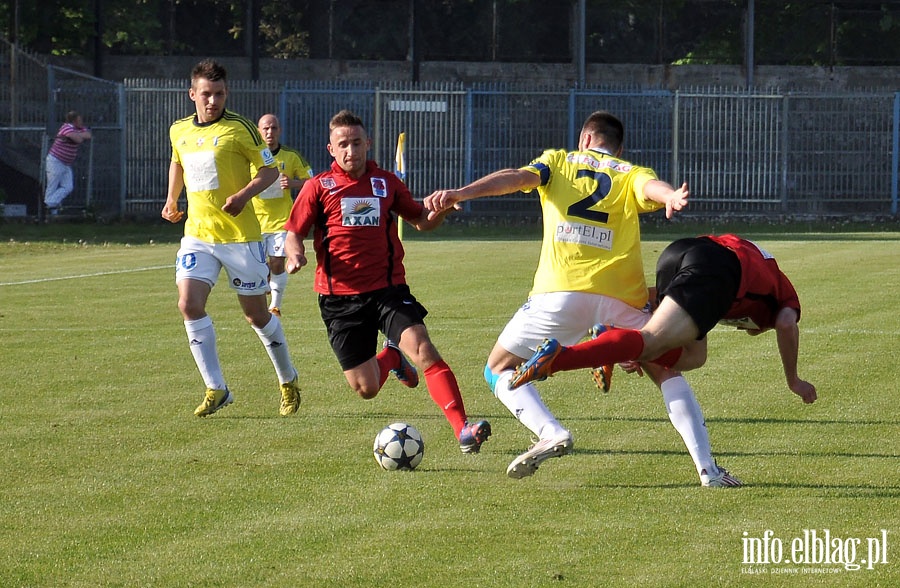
[[702, 276], [353, 321]]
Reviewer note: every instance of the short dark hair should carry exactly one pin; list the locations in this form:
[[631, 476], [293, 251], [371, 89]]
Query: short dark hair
[[608, 127], [72, 116], [209, 69], [345, 118]]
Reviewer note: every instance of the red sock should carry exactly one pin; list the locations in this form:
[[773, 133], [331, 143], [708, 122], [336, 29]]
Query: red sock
[[444, 390], [668, 359], [388, 360], [610, 347]]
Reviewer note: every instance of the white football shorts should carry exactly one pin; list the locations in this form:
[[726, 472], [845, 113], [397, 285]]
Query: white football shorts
[[274, 243], [244, 263], [566, 317]]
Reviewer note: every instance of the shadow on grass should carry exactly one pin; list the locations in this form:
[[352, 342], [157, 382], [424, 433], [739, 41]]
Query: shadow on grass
[[765, 453], [399, 413], [741, 420], [838, 490]]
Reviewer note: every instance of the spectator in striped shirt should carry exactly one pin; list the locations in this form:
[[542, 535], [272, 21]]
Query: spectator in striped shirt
[[60, 158]]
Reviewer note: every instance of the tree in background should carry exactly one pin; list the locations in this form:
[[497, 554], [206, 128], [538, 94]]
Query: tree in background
[[805, 32]]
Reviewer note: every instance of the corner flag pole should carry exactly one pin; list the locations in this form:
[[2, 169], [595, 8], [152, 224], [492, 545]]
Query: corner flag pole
[[400, 170]]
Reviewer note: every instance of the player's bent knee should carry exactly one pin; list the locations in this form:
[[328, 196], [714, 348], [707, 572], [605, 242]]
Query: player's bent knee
[[698, 352], [690, 360], [367, 393]]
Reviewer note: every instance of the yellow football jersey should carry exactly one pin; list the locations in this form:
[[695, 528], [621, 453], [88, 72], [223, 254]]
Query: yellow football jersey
[[216, 159], [273, 205], [592, 239]]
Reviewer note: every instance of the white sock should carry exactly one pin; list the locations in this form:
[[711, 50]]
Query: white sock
[[526, 405], [272, 336], [278, 283], [687, 418], [202, 338]]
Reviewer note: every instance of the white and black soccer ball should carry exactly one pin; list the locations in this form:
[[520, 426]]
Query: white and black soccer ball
[[399, 446]]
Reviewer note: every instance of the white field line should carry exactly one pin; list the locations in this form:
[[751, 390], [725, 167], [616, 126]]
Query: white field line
[[80, 276]]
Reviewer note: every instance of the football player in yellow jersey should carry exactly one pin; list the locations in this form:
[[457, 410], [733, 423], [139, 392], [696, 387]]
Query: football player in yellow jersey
[[273, 205], [590, 273], [212, 151]]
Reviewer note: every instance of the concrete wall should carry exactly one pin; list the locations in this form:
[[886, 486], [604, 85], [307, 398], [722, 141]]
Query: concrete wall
[[670, 77]]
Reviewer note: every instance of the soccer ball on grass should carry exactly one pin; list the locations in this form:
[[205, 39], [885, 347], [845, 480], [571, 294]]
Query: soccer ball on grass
[[399, 446]]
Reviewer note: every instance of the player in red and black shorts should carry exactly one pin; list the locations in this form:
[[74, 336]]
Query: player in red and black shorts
[[354, 320], [701, 276], [700, 282], [353, 210]]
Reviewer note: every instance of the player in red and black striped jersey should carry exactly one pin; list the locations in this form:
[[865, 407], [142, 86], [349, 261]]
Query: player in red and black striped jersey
[[353, 209], [700, 281], [356, 238]]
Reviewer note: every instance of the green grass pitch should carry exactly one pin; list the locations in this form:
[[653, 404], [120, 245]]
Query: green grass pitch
[[109, 479]]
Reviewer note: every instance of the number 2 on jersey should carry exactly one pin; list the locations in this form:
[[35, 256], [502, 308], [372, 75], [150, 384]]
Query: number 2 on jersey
[[581, 209]]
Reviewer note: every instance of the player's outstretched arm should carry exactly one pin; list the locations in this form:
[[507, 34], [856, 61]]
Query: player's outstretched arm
[[441, 202], [498, 183], [664, 193], [788, 335]]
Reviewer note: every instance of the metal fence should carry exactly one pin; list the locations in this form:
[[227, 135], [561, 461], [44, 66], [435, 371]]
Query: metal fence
[[34, 100], [23, 118], [741, 152]]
